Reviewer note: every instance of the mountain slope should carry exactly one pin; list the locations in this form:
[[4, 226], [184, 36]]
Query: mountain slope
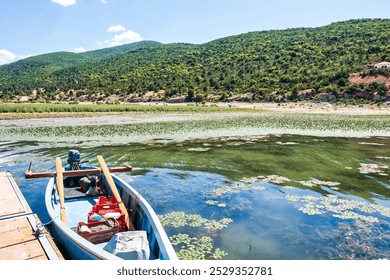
[[34, 72], [268, 65]]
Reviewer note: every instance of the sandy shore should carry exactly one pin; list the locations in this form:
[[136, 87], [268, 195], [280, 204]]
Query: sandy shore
[[291, 107], [308, 107]]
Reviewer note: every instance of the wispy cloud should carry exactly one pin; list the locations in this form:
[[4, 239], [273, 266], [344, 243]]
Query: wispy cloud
[[64, 3], [125, 36], [103, 1], [8, 57]]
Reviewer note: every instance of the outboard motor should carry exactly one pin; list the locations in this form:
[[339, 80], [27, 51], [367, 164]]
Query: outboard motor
[[74, 159]]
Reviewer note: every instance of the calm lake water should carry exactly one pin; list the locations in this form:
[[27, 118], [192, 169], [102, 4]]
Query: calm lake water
[[271, 197]]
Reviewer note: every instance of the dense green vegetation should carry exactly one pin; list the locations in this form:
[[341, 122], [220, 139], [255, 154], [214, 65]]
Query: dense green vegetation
[[290, 64]]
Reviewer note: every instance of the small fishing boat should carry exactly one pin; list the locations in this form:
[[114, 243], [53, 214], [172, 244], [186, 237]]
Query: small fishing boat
[[95, 215]]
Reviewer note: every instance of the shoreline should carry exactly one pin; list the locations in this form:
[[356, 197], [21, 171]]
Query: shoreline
[[288, 107], [311, 107]]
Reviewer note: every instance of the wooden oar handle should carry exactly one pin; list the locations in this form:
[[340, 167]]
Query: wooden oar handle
[[114, 190], [60, 188]]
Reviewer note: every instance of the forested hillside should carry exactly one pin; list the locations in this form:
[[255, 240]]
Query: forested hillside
[[299, 63]]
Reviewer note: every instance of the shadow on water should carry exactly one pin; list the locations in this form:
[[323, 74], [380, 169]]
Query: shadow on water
[[275, 197]]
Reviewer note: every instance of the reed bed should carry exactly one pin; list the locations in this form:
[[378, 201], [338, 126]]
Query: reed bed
[[30, 108]]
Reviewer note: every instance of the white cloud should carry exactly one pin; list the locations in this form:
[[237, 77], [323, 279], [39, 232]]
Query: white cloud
[[116, 28], [79, 50], [65, 3], [126, 37], [7, 56], [103, 1]]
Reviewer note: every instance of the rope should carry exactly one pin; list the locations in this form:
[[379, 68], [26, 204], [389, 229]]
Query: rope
[[49, 222], [41, 228]]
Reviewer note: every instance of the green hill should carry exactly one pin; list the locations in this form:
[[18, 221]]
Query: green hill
[[291, 64]]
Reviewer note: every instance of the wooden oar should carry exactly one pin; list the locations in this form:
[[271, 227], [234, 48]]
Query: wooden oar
[[82, 172], [115, 192], [60, 188]]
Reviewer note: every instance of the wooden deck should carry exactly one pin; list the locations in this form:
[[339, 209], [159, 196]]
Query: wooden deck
[[21, 237]]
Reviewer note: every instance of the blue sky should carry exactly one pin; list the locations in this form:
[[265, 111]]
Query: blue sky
[[32, 27]]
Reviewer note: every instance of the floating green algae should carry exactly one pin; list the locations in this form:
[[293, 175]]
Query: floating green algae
[[275, 179], [181, 219], [316, 182], [373, 168], [338, 207], [205, 125], [246, 184], [198, 247], [215, 203]]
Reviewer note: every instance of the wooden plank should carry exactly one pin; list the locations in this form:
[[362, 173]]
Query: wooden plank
[[15, 231], [23, 251], [9, 201], [12, 224]]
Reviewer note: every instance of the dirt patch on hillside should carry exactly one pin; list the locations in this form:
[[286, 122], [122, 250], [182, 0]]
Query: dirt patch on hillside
[[357, 78]]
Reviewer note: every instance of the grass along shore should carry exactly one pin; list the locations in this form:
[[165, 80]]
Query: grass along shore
[[37, 110], [58, 110]]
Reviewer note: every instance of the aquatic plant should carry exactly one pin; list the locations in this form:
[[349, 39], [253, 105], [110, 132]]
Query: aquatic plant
[[372, 168], [247, 184], [311, 209], [275, 179], [293, 198], [371, 143], [216, 203], [211, 125], [286, 143], [181, 219], [229, 189], [382, 157], [198, 149], [197, 247], [338, 207], [316, 182], [213, 225]]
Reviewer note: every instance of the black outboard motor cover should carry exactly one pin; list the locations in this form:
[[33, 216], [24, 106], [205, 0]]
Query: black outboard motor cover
[[74, 159]]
